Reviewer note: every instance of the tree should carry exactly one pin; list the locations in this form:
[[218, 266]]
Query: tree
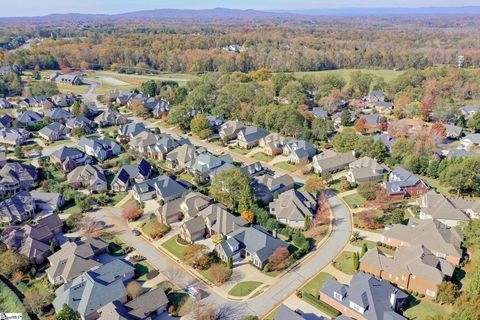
[[246, 199], [368, 190], [321, 129], [427, 106], [346, 118], [361, 125], [196, 256], [439, 130], [199, 123], [180, 116], [66, 313], [345, 140], [230, 262], [88, 225], [37, 299], [78, 132], [471, 233], [44, 88], [228, 185], [315, 185], [447, 292], [364, 249], [157, 229], [75, 109], [382, 199], [132, 212], [139, 109], [220, 273], [356, 261], [280, 259], [369, 219], [149, 88], [248, 215], [134, 289], [464, 176], [18, 152], [472, 285], [396, 216], [474, 122], [13, 262]]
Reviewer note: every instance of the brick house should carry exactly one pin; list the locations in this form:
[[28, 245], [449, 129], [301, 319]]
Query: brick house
[[404, 184]]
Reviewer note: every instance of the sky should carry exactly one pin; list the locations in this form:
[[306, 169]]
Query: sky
[[16, 8]]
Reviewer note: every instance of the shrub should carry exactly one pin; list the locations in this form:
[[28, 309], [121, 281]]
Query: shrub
[[220, 273]]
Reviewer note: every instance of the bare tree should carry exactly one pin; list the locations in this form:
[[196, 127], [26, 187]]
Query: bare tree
[[88, 225]]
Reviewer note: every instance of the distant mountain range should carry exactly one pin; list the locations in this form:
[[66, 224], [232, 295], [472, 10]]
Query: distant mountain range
[[236, 14]]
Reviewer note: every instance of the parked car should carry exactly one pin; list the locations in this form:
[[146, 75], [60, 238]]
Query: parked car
[[135, 232]]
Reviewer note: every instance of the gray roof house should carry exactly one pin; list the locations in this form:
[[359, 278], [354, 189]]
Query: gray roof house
[[164, 188], [202, 165], [331, 161], [230, 129], [89, 176], [469, 111], [384, 107], [470, 140], [18, 208], [142, 142], [253, 243], [253, 169], [293, 207], [74, 258], [29, 118], [53, 132], [186, 207], [193, 229], [87, 293], [69, 158], [285, 313], [99, 148], [220, 221], [130, 174], [319, 112], [111, 118], [386, 139], [376, 96], [162, 147], [371, 119], [4, 104], [299, 151], [13, 136], [276, 183], [180, 156], [63, 100], [129, 130], [16, 176], [452, 131], [366, 297], [403, 183], [161, 108], [59, 115], [366, 169], [80, 122], [250, 136]]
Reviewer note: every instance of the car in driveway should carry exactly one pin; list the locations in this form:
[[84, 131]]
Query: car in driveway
[[135, 232]]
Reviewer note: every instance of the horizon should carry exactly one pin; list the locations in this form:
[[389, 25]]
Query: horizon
[[32, 8]]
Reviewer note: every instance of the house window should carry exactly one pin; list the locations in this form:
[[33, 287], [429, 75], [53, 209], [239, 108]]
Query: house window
[[356, 307], [338, 296], [441, 255], [430, 293]]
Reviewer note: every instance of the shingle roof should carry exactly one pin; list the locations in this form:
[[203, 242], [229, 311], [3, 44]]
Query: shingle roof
[[285, 313]]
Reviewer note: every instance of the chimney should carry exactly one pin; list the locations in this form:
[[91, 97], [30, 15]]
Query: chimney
[[392, 298], [274, 233]]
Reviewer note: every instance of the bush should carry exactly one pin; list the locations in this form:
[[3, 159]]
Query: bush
[[368, 190], [220, 273]]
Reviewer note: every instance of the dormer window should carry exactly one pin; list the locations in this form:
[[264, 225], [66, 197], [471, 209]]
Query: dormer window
[[356, 307], [338, 296]]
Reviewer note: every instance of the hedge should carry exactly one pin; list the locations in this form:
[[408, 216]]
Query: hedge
[[322, 306]]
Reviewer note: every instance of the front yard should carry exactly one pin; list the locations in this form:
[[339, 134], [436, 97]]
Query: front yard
[[314, 285], [285, 165], [260, 156], [354, 200], [344, 263], [244, 288], [239, 150], [142, 269], [172, 246]]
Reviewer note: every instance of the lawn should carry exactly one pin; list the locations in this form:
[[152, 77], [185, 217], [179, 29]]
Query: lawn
[[314, 285], [285, 165], [186, 177], [240, 150], [142, 269], [422, 309], [354, 200], [344, 263], [334, 185], [68, 88], [359, 243], [71, 208], [181, 301], [115, 246], [435, 184], [244, 288], [129, 203], [118, 197], [386, 74], [260, 156], [173, 247], [9, 302]]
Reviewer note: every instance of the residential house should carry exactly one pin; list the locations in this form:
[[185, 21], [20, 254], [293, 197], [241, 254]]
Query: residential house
[[230, 129], [161, 109], [18, 208], [13, 136], [180, 156], [99, 148], [63, 100], [186, 207], [6, 121], [80, 122], [71, 79], [36, 102], [163, 188], [365, 170], [404, 184], [16, 176], [130, 130], [33, 240], [293, 207], [365, 298], [53, 132], [202, 165], [58, 115], [254, 169], [3, 157], [69, 158], [162, 147], [215, 122], [272, 144], [252, 243], [29, 118], [471, 140], [75, 258], [331, 161], [453, 132], [47, 202], [249, 137], [412, 268], [92, 290], [88, 176], [449, 211], [376, 96], [320, 113], [384, 107], [372, 120], [130, 174], [193, 229], [111, 118], [443, 241], [277, 184], [469, 111], [123, 98], [219, 221], [386, 139], [337, 117], [285, 313], [299, 151], [5, 104]]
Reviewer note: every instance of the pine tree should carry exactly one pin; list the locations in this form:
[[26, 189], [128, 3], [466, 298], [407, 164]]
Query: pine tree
[[306, 224], [356, 262], [230, 262], [364, 249], [246, 199]]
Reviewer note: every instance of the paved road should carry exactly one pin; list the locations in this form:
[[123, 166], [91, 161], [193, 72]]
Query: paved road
[[91, 95]]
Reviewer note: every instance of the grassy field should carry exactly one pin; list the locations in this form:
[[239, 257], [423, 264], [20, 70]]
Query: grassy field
[[10, 303], [314, 285], [260, 156], [285, 165], [173, 247], [344, 263], [388, 75], [354, 200], [244, 288]]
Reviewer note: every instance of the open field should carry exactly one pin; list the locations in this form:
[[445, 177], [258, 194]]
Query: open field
[[388, 75]]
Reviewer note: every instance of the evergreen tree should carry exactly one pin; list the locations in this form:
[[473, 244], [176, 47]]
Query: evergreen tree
[[356, 261], [246, 199], [66, 313], [364, 249]]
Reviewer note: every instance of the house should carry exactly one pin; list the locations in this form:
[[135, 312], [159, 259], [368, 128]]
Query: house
[[183, 208], [180, 156], [130, 174], [33, 240], [365, 170], [63, 100], [13, 136], [469, 111], [252, 243], [74, 258], [293, 207], [249, 137], [192, 230], [449, 211], [285, 313], [219, 221], [164, 188], [254, 169], [92, 290], [16, 176], [29, 118], [331, 161], [88, 176], [71, 79], [3, 157], [299, 151], [453, 132], [130, 130], [123, 98], [53, 132], [162, 147], [99, 148], [47, 202], [384, 107], [272, 144], [230, 129], [443, 241], [337, 117], [366, 297], [5, 104], [372, 120], [80, 122], [376, 96], [161, 108], [58, 115], [202, 165], [277, 184], [69, 158], [471, 140], [6, 121], [320, 113], [110, 118], [215, 122], [17, 209], [36, 102], [412, 268], [404, 184], [386, 139], [148, 305]]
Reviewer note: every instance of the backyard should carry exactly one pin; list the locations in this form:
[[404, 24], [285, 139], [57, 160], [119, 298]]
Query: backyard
[[423, 309], [344, 263], [9, 302]]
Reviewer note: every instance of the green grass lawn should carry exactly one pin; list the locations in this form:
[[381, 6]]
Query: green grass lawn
[[359, 243], [173, 247], [335, 185], [129, 203], [435, 184], [72, 208], [285, 165], [118, 197], [186, 177], [240, 150], [142, 269], [60, 142], [244, 288], [422, 309], [260, 156], [354, 200], [388, 75], [344, 263], [314, 285], [10, 303], [67, 88]]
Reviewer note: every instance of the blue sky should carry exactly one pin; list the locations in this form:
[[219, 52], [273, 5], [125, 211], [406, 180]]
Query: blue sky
[[9, 8]]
